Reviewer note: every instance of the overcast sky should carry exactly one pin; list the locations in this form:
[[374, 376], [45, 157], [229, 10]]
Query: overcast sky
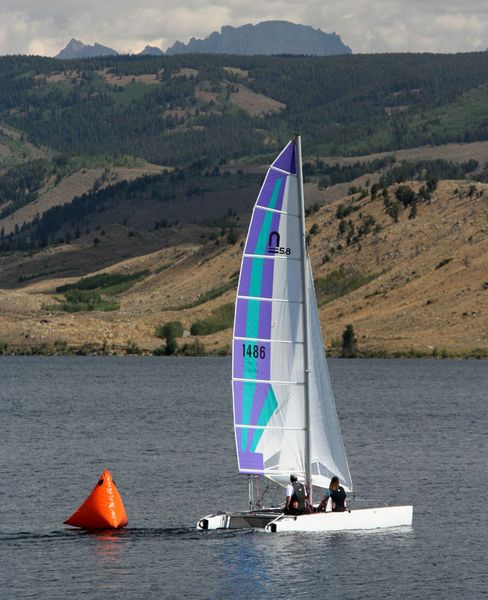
[[45, 26]]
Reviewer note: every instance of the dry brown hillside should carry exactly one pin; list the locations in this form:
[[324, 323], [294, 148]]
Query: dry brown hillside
[[422, 283]]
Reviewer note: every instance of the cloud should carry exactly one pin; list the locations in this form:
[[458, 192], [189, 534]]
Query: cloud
[[31, 26]]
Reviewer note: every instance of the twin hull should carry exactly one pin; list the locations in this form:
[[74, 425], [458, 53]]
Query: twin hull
[[364, 518]]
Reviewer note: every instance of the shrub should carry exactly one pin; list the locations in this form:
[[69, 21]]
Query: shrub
[[132, 348], [375, 188], [3, 346], [392, 209], [220, 319], [60, 346], [405, 195], [231, 237], [85, 300], [314, 229], [111, 283], [349, 342], [479, 353], [343, 211], [443, 263], [193, 349], [367, 223], [170, 329], [85, 350], [171, 345]]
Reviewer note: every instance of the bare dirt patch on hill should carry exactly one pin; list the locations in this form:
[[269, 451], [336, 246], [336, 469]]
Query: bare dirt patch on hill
[[124, 80], [257, 105]]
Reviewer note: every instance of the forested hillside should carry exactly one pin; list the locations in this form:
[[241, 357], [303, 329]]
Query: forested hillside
[[173, 110]]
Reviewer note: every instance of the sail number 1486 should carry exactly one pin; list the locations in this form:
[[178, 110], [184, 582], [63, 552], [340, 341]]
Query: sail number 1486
[[253, 351]]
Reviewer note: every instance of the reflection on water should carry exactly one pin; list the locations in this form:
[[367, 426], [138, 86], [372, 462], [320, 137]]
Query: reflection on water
[[109, 546]]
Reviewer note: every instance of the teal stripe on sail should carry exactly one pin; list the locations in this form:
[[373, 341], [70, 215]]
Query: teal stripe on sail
[[269, 406], [252, 323], [275, 194], [256, 277]]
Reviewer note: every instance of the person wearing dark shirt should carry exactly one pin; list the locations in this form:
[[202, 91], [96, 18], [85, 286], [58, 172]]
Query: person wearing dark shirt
[[337, 496], [296, 493]]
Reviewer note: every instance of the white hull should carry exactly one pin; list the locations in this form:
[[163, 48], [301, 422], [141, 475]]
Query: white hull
[[257, 519], [364, 518], [270, 521]]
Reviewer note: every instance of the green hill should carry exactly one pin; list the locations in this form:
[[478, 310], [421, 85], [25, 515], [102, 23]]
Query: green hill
[[174, 110]]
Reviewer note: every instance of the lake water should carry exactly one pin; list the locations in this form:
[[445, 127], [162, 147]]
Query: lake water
[[414, 430]]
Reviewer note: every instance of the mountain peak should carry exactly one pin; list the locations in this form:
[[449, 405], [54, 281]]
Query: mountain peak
[[267, 37], [77, 49], [151, 51]]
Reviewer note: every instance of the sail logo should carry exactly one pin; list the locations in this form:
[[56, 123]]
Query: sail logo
[[274, 245]]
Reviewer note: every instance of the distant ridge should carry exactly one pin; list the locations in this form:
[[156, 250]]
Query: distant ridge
[[268, 37], [77, 49], [151, 51]]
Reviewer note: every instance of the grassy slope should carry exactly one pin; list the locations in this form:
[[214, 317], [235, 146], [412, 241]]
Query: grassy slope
[[409, 304]]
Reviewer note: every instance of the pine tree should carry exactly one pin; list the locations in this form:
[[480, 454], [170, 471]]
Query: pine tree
[[349, 342]]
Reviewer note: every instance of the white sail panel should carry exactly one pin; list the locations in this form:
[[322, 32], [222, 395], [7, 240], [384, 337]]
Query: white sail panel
[[327, 452]]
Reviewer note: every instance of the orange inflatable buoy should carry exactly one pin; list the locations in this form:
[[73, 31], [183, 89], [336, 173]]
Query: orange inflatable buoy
[[103, 509]]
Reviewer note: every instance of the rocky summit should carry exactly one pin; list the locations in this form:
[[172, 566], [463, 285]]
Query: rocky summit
[[77, 49], [268, 37]]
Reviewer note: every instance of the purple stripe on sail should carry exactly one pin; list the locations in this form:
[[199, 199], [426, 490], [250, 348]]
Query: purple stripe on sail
[[267, 281], [245, 280], [252, 367], [254, 231], [250, 461], [268, 197], [286, 160], [238, 396], [241, 318], [265, 310]]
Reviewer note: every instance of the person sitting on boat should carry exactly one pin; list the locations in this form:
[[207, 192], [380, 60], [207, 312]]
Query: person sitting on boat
[[337, 496], [293, 508], [295, 493]]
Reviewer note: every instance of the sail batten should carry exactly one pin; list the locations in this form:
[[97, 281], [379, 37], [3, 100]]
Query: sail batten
[[274, 210], [271, 377]]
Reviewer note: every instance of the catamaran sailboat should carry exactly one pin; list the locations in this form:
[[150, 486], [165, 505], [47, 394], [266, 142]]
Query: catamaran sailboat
[[285, 419]]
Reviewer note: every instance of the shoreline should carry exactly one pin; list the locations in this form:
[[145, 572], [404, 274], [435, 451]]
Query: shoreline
[[475, 354]]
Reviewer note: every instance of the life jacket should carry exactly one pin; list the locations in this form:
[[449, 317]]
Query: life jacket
[[338, 499], [299, 494]]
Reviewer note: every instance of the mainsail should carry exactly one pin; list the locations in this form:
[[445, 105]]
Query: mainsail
[[277, 408]]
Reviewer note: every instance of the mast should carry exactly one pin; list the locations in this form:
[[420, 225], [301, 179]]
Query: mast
[[303, 237]]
